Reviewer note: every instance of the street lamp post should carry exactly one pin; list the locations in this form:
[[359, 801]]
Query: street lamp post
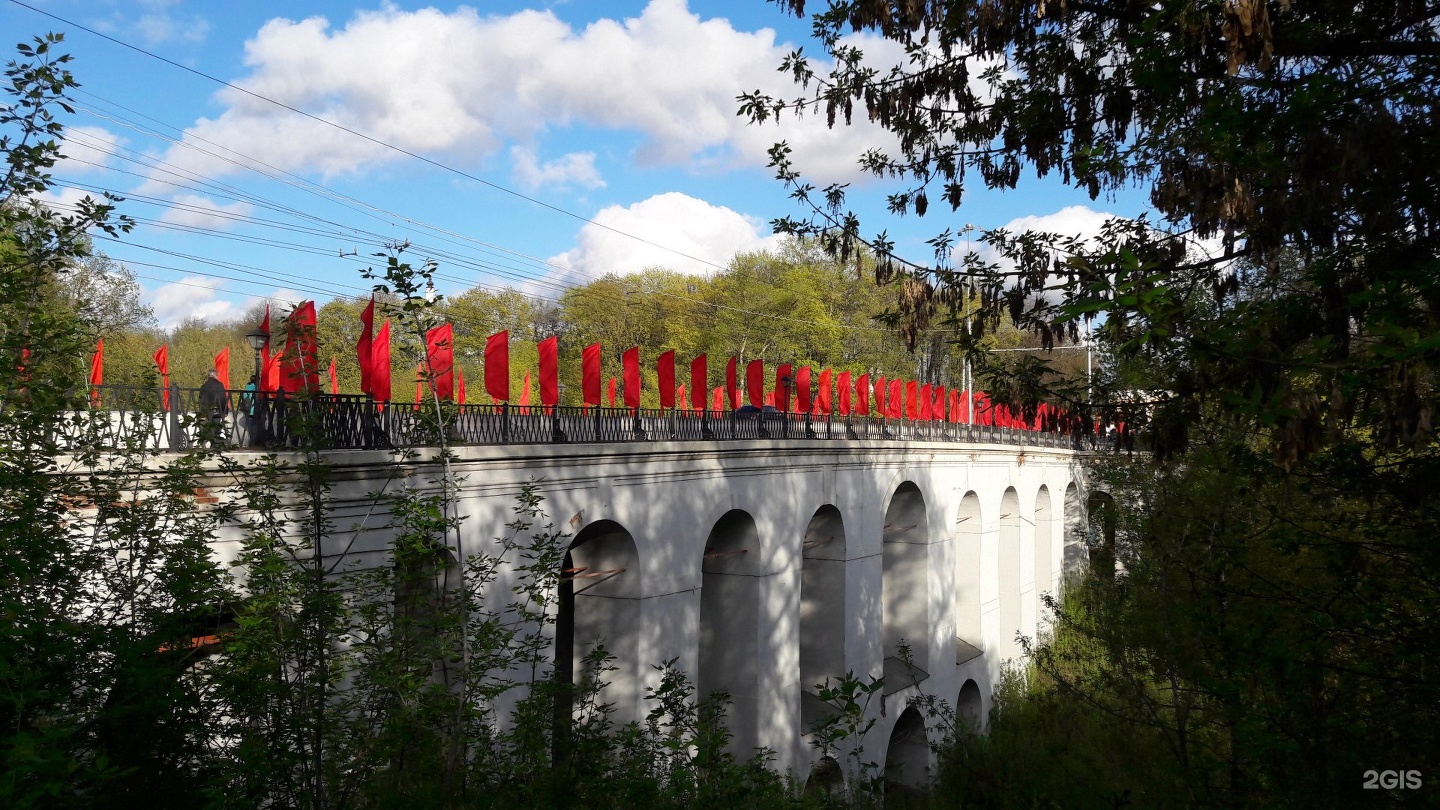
[[257, 340]]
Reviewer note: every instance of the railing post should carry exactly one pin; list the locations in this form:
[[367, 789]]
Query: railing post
[[505, 423], [556, 434]]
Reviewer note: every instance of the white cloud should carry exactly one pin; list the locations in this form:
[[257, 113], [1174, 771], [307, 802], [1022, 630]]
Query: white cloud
[[195, 211], [190, 297], [162, 24], [708, 235], [463, 86], [206, 298], [576, 168]]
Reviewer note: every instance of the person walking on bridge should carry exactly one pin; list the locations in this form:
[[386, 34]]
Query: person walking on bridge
[[214, 407]]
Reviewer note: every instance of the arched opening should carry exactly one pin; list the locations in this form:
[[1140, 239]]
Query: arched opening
[[1103, 519], [598, 602], [1044, 571], [826, 782], [907, 760], [822, 599], [1075, 552], [968, 708], [969, 525], [1009, 565], [905, 592], [729, 623]]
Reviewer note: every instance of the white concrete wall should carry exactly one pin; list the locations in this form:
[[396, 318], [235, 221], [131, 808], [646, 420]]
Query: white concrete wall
[[745, 614]]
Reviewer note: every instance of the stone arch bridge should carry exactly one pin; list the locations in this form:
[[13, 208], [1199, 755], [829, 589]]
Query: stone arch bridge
[[765, 568]]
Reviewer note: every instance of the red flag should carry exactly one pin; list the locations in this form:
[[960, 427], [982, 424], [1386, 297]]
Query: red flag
[[590, 374], [497, 366], [630, 367], [784, 384], [937, 404], [732, 385], [682, 398], [264, 382], [525, 393], [924, 406], [380, 364], [894, 399], [363, 351], [419, 383], [460, 385], [549, 372], [845, 391], [611, 393], [755, 382], [717, 403], [699, 382], [824, 398], [665, 371], [862, 395], [770, 398], [270, 374], [222, 366], [440, 353], [97, 370], [802, 390], [300, 361], [880, 390], [334, 380], [162, 362]]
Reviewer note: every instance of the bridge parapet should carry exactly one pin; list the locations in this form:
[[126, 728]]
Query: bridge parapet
[[174, 421]]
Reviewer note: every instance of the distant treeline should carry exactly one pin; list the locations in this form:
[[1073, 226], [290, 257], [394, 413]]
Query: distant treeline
[[795, 306]]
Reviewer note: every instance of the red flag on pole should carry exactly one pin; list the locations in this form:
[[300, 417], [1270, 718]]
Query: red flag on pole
[[862, 395], [460, 385], [380, 364], [264, 383], [222, 367], [364, 352], [894, 399], [699, 383], [802, 390], [97, 371], [162, 362], [300, 363], [937, 404], [880, 391], [419, 383], [924, 406], [784, 384], [525, 393], [755, 382], [440, 353], [549, 349], [497, 366], [717, 402], [334, 378], [610, 396], [630, 367], [665, 371], [845, 391], [682, 398], [826, 378], [590, 374]]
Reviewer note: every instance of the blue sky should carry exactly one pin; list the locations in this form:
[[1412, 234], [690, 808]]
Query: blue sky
[[618, 114]]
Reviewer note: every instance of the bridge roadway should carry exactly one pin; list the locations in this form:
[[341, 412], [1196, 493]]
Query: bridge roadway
[[766, 567]]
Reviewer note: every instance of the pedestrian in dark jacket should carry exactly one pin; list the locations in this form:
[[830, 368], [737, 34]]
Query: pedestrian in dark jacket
[[214, 407]]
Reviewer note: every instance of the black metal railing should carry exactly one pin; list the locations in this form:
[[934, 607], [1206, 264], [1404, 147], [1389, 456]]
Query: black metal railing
[[146, 418]]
